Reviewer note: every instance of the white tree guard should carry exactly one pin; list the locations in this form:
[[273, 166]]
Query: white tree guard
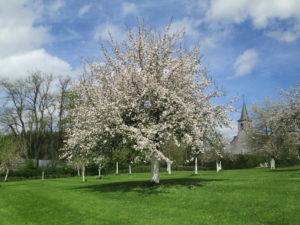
[[196, 165], [169, 166], [117, 168], [83, 173], [272, 164], [155, 169], [219, 166]]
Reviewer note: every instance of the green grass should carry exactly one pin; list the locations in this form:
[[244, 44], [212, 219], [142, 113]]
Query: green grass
[[250, 196]]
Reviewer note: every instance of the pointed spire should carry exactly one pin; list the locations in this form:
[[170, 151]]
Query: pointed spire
[[244, 114]]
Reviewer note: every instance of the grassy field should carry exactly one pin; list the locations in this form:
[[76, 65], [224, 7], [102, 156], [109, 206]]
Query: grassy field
[[250, 196]]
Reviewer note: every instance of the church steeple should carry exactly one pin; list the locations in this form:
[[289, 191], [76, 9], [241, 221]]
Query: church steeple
[[244, 114], [244, 121]]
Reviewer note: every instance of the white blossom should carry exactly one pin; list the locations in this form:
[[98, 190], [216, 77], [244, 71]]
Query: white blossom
[[149, 90]]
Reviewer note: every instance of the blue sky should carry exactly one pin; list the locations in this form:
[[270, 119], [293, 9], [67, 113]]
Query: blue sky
[[250, 47]]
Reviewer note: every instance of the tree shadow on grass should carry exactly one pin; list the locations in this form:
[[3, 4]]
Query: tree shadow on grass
[[145, 187]]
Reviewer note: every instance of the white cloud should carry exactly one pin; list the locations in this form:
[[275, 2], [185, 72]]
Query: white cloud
[[17, 29], [259, 11], [128, 8], [263, 13], [229, 132], [21, 40], [189, 26], [196, 6], [245, 62], [84, 9], [208, 42], [19, 65], [285, 36], [103, 31], [55, 7]]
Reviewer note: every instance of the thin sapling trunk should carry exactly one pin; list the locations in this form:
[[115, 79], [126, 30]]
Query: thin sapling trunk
[[78, 171], [6, 175], [117, 168], [129, 168], [99, 171]]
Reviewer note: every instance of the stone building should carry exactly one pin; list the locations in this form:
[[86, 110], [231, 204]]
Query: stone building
[[239, 145]]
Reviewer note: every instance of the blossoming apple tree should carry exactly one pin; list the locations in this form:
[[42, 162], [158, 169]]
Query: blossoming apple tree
[[148, 90]]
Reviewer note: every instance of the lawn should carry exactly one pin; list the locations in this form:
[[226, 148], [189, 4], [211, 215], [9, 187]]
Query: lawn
[[249, 196]]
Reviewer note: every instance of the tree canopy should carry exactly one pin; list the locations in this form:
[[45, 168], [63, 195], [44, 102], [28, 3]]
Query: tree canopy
[[148, 90]]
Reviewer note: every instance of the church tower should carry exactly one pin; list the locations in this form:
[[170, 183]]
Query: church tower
[[239, 143], [244, 122]]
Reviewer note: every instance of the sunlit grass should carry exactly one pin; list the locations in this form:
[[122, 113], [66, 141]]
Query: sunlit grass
[[250, 196]]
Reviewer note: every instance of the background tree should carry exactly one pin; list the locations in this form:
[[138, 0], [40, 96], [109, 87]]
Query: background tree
[[100, 162], [79, 159], [174, 153], [149, 90], [34, 109], [11, 150], [275, 133], [215, 150], [76, 164], [288, 117], [212, 149]]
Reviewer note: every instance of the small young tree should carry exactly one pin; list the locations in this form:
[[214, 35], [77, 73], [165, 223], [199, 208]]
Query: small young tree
[[77, 158], [174, 154], [149, 90], [130, 157], [76, 164], [212, 149], [100, 161], [10, 154]]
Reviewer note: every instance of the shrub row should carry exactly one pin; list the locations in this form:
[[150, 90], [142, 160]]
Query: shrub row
[[237, 162], [250, 161], [36, 173]]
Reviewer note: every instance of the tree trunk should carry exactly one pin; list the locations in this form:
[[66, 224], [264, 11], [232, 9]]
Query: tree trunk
[[169, 170], [83, 173], [155, 169], [6, 175], [99, 171], [43, 175], [78, 171], [196, 165], [129, 169], [117, 168]]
